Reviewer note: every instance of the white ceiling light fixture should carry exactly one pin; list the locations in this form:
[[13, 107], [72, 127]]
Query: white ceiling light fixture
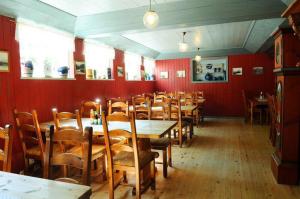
[[198, 57], [151, 18], [182, 45]]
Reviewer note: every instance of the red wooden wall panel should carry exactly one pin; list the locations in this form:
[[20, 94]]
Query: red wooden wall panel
[[43, 95], [223, 99]]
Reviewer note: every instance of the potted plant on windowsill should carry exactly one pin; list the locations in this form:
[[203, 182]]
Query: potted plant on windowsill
[[63, 71], [28, 69]]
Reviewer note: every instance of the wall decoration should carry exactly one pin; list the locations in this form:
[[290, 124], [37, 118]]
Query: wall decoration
[[80, 67], [4, 65], [237, 71], [164, 75], [120, 70], [180, 73], [258, 70], [210, 70]]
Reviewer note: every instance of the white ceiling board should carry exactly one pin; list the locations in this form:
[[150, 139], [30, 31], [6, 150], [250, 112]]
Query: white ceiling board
[[220, 36], [89, 7]]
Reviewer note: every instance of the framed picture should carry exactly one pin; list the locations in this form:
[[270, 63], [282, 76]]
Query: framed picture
[[180, 73], [164, 75], [80, 67], [120, 71], [258, 70], [237, 71], [4, 65], [209, 70]]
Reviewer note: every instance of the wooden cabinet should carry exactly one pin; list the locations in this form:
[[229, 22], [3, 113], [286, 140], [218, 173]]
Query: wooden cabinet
[[286, 158]]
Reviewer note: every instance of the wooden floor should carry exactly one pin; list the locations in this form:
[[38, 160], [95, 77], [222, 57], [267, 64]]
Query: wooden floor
[[226, 159]]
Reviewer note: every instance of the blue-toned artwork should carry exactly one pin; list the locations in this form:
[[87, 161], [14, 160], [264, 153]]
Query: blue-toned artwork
[[210, 70]]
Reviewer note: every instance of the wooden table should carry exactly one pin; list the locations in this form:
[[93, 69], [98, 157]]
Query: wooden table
[[14, 186], [145, 128]]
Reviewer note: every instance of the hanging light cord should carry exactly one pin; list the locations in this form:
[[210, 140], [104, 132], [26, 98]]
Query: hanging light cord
[[183, 37]]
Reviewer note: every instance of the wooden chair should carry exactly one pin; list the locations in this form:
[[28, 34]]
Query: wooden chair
[[272, 112], [29, 131], [180, 131], [98, 149], [87, 106], [6, 152], [160, 93], [141, 107], [119, 107], [250, 109], [80, 160], [125, 158], [158, 112]]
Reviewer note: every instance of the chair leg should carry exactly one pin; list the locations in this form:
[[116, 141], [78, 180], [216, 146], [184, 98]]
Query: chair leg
[[111, 184], [152, 174], [170, 155], [165, 164], [138, 185]]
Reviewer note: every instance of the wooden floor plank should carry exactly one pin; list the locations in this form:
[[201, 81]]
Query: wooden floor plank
[[226, 159]]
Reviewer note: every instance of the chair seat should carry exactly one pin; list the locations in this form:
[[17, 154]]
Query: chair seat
[[100, 140], [125, 158], [35, 151], [97, 151], [161, 142]]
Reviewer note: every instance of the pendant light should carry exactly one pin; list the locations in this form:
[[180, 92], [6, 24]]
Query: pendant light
[[182, 45], [151, 18], [198, 57]]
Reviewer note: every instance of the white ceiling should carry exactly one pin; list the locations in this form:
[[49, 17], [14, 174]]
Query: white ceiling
[[219, 36], [88, 7]]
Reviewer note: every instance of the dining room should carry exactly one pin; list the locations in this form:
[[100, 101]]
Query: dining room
[[149, 99]]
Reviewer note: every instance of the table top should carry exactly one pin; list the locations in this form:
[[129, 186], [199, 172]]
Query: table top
[[259, 101], [145, 128], [15, 186]]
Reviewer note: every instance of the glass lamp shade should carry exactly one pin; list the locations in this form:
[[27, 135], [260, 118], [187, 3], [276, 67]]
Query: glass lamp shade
[[183, 47], [197, 58], [151, 19]]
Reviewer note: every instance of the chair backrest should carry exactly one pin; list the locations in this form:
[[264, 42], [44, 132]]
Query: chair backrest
[[158, 110], [65, 158], [160, 92], [87, 106], [159, 98], [119, 107], [29, 131], [149, 95], [59, 117], [141, 107], [245, 101], [6, 152], [112, 148], [199, 94]]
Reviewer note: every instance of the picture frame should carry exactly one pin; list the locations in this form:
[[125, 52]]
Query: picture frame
[[120, 71], [164, 75], [210, 70], [180, 73], [4, 61], [258, 70], [237, 71], [80, 68]]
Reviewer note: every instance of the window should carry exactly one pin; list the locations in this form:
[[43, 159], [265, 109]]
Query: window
[[98, 60], [45, 52], [149, 66], [133, 64]]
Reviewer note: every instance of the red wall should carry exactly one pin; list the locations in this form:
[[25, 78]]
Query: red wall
[[223, 99], [43, 95]]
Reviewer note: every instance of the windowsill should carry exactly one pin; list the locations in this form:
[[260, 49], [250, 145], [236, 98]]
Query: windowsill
[[150, 80], [134, 80], [99, 79], [46, 78]]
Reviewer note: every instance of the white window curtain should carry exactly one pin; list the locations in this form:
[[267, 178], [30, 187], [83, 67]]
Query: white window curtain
[[149, 66], [46, 49], [133, 64], [99, 58]]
